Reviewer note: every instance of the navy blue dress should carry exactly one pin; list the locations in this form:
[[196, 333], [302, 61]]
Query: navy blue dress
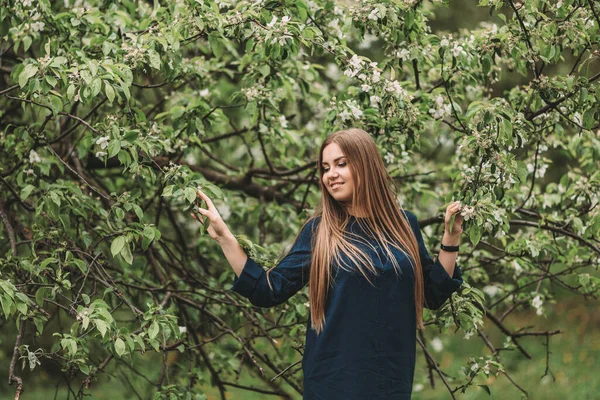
[[368, 346]]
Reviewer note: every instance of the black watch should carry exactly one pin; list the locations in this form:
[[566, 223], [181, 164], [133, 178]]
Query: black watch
[[449, 248]]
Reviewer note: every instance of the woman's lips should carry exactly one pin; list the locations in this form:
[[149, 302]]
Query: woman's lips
[[337, 185]]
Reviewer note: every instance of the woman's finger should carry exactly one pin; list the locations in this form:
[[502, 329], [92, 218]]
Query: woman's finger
[[206, 198], [196, 217]]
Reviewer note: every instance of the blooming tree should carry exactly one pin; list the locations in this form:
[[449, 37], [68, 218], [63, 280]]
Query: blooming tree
[[113, 113]]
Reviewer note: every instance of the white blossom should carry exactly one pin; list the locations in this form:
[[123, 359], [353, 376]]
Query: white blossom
[[403, 54], [374, 15], [335, 25], [395, 88], [437, 345], [441, 110], [100, 154], [103, 142], [34, 157], [351, 72], [469, 334], [37, 26], [540, 169], [491, 290], [474, 367], [365, 87], [283, 121], [27, 3], [355, 61], [182, 329], [537, 304], [355, 109], [204, 93], [517, 267], [467, 212], [458, 50], [285, 20], [389, 158], [367, 41], [345, 115], [251, 93], [376, 76], [375, 100], [486, 367], [272, 23]]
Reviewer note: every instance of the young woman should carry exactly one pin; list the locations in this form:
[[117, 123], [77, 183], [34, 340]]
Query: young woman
[[368, 271]]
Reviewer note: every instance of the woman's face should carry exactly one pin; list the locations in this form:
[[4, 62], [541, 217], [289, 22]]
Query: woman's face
[[335, 170]]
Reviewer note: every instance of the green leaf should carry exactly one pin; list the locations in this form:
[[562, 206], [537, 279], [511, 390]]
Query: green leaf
[[119, 347], [114, 147], [486, 388], [26, 191], [138, 211], [190, 194], [475, 234], [168, 191], [154, 59], [153, 331], [215, 44], [110, 92], [81, 265], [27, 40], [117, 245], [96, 86], [52, 81], [125, 89], [149, 233], [301, 309], [101, 325], [22, 308], [522, 172], [39, 296], [29, 71], [126, 254], [70, 92]]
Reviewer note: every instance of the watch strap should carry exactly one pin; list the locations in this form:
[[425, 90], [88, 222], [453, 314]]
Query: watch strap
[[449, 248]]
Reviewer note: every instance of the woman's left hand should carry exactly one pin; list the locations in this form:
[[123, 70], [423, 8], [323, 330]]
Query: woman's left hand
[[453, 228]]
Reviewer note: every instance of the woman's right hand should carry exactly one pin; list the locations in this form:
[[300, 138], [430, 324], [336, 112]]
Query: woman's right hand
[[217, 228]]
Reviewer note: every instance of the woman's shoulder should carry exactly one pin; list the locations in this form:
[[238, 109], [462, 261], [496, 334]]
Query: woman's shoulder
[[412, 219], [409, 215], [310, 226]]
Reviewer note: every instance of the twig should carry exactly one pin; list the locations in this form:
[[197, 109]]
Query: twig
[[12, 378]]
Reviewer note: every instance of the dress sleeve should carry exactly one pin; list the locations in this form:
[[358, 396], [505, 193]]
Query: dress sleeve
[[438, 285], [282, 281]]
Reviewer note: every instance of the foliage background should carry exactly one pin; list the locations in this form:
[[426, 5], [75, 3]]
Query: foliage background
[[114, 111]]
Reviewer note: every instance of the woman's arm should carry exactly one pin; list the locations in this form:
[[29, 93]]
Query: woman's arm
[[234, 253], [448, 258], [262, 288], [438, 282]]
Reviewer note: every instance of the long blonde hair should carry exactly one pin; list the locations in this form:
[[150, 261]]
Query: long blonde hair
[[373, 197]]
